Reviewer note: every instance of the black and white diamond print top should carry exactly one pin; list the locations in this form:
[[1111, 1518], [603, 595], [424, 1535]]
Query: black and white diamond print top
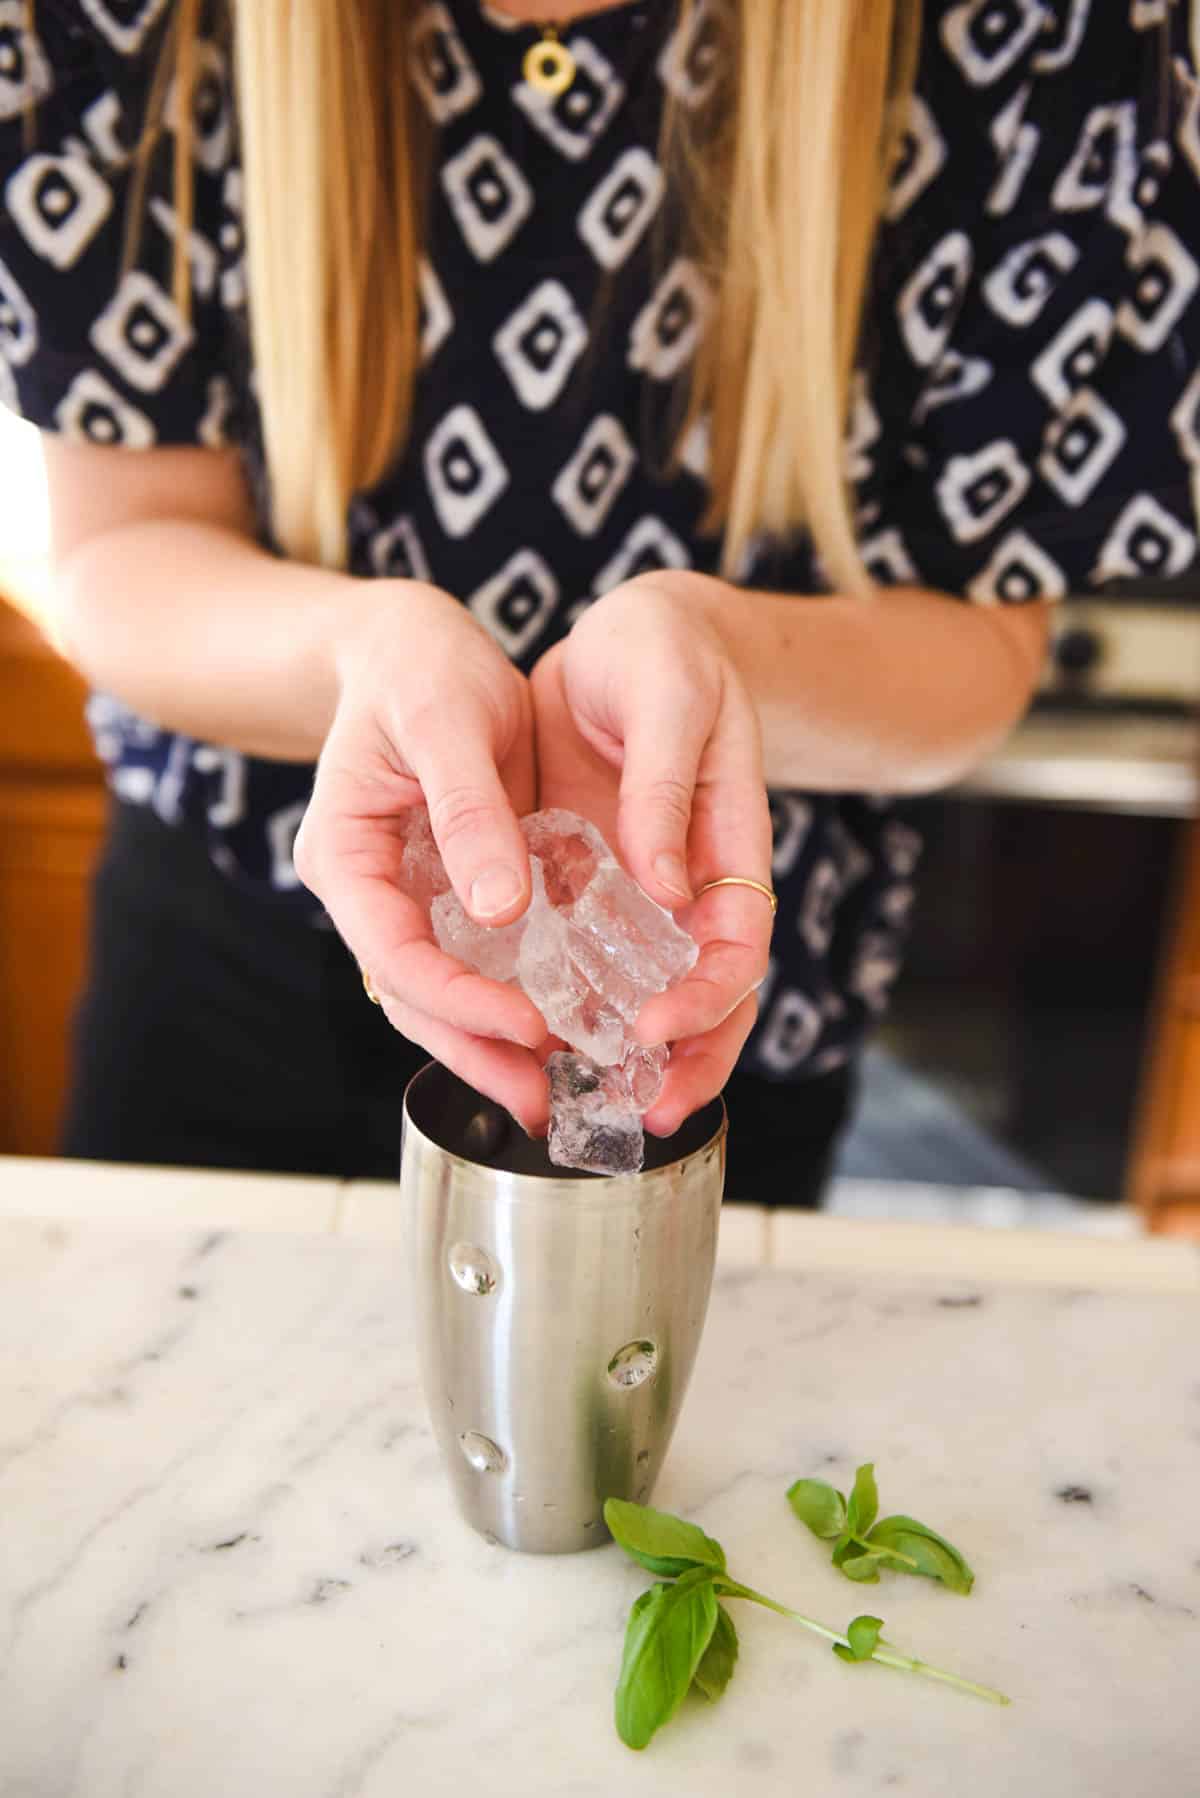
[[1026, 420]]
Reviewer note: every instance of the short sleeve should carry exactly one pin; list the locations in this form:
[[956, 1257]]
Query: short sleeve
[[92, 345], [1046, 322]]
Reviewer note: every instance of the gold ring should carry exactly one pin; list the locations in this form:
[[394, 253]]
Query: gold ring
[[368, 989], [742, 880]]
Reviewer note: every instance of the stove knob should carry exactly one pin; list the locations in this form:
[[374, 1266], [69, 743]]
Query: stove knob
[[1077, 650]]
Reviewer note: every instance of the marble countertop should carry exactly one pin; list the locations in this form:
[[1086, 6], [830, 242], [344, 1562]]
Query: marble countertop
[[229, 1563]]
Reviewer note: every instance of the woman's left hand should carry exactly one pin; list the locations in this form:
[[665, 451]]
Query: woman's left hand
[[644, 726]]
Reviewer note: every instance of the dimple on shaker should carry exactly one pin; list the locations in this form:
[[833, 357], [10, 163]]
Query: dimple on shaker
[[557, 1314]]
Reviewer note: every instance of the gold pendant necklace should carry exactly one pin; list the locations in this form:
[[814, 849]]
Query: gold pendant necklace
[[549, 67]]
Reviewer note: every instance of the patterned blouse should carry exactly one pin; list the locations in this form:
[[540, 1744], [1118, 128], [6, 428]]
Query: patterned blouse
[[1026, 418]]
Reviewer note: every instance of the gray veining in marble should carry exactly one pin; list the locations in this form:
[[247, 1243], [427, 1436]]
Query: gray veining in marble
[[229, 1566]]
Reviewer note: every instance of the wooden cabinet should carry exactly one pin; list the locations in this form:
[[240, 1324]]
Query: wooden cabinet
[[1165, 1167], [52, 808]]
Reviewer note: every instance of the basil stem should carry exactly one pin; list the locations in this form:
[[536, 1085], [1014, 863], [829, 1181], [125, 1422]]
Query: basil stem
[[890, 1658], [884, 1653]]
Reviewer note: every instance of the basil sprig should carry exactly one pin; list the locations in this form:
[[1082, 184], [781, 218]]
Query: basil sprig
[[681, 1638], [861, 1546]]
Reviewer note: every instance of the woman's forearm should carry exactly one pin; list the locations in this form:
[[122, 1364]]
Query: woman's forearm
[[199, 629], [899, 692]]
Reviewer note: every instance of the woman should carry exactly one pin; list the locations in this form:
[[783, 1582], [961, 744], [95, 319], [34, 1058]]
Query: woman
[[493, 374]]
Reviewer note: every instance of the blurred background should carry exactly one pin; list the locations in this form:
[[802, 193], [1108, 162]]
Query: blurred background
[[1043, 1050]]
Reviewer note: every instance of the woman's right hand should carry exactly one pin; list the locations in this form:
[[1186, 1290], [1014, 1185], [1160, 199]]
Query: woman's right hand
[[430, 712]]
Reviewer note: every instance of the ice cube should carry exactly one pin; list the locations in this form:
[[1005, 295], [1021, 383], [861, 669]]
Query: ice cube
[[570, 849], [596, 1112], [588, 1129], [491, 952], [642, 1072], [422, 875], [622, 946], [640, 941], [570, 1005], [626, 996]]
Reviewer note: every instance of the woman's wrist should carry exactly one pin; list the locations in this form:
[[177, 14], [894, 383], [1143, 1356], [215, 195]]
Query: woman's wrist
[[363, 621], [707, 603], [899, 690]]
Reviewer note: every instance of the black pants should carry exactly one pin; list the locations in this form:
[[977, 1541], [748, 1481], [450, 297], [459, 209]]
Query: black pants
[[217, 1030]]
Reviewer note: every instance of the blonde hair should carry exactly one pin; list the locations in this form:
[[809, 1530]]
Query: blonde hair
[[782, 174]]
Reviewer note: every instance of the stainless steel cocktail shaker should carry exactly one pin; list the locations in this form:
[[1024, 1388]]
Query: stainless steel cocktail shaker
[[558, 1314]]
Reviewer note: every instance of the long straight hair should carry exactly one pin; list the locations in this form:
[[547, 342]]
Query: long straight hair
[[781, 175]]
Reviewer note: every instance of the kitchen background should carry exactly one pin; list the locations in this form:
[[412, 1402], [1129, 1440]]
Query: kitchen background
[[1044, 1045]]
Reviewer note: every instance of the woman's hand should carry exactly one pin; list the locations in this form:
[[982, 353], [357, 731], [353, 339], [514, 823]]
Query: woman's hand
[[430, 712], [644, 726]]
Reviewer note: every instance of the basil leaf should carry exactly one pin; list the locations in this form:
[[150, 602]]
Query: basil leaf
[[936, 1562], [934, 1556], [862, 1636], [863, 1507], [820, 1506], [844, 1653], [717, 1663], [669, 1629], [661, 1543], [845, 1548], [863, 1568]]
